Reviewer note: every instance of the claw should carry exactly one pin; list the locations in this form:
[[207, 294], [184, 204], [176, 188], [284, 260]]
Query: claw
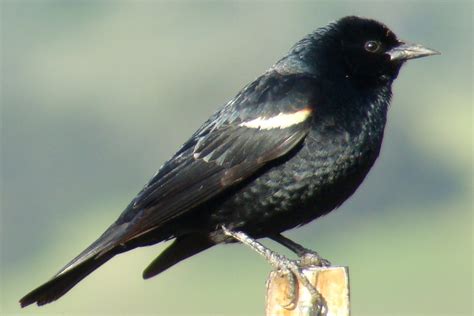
[[312, 258], [291, 297], [293, 269]]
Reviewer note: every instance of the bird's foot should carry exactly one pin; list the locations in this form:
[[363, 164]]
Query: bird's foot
[[307, 256], [293, 270], [288, 267], [312, 258]]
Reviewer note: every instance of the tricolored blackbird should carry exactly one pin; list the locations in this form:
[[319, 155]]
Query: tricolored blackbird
[[288, 148]]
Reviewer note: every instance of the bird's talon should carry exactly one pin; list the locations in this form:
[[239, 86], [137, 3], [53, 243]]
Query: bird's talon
[[320, 307], [291, 297], [313, 259]]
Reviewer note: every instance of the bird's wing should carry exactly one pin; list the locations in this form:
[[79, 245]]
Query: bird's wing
[[265, 121]]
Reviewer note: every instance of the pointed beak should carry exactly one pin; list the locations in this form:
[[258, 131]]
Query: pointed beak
[[406, 51]]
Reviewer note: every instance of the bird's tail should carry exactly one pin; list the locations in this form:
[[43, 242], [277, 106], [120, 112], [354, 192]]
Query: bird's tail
[[99, 252], [63, 282], [106, 247]]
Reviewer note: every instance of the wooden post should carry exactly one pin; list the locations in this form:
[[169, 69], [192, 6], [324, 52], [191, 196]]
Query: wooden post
[[331, 282]]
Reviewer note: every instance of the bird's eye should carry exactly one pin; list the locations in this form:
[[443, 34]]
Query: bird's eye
[[372, 46]]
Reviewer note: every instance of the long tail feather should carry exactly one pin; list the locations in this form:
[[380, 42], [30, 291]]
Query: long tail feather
[[99, 252], [62, 283]]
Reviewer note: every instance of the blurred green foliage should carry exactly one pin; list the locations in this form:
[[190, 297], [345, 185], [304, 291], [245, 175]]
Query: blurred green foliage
[[97, 94]]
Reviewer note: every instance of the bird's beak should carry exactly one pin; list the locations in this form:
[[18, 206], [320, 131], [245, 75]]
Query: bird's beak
[[406, 51]]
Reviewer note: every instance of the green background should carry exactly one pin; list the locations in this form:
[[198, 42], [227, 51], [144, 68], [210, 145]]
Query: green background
[[96, 95]]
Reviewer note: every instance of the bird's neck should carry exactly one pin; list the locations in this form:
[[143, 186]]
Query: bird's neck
[[359, 116]]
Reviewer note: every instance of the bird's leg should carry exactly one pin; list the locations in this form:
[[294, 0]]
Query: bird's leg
[[307, 256], [289, 267]]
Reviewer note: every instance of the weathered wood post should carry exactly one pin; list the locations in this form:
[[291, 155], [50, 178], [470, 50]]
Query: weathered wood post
[[331, 282]]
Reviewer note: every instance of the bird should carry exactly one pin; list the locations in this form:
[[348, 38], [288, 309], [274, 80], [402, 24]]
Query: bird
[[290, 147]]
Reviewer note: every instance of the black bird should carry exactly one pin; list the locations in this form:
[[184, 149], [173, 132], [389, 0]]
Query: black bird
[[288, 148]]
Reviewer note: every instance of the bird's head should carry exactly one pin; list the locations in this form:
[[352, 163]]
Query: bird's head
[[358, 49], [371, 51]]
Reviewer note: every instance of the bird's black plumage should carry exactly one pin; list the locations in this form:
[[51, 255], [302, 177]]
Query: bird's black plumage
[[290, 147]]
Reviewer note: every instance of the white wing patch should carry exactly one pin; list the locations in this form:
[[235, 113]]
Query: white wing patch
[[282, 120]]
